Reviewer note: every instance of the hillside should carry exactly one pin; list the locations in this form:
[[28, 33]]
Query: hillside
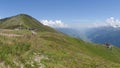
[[51, 49], [22, 21]]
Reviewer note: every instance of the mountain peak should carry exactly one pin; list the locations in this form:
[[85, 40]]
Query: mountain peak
[[22, 21], [23, 15], [25, 20]]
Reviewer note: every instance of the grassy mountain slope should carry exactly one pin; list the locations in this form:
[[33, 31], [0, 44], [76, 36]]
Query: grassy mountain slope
[[22, 21], [57, 50], [49, 49]]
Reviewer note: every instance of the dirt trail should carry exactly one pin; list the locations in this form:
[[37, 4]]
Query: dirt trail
[[2, 32], [10, 35]]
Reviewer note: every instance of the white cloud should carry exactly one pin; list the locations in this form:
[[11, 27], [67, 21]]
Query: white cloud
[[113, 22], [54, 24]]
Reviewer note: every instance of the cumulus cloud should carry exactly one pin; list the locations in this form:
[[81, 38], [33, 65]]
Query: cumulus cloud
[[54, 24], [113, 22]]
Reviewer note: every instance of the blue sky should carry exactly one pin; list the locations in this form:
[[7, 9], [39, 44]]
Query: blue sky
[[69, 11]]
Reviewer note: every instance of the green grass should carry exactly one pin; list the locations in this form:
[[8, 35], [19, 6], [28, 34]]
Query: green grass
[[23, 21], [49, 48], [61, 50]]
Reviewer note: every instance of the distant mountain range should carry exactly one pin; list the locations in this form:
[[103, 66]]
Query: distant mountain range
[[74, 33], [100, 35], [105, 35]]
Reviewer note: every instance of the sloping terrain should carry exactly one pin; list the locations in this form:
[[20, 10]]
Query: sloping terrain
[[52, 49], [23, 21]]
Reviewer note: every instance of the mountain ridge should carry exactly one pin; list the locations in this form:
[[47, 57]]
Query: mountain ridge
[[23, 21], [50, 49]]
